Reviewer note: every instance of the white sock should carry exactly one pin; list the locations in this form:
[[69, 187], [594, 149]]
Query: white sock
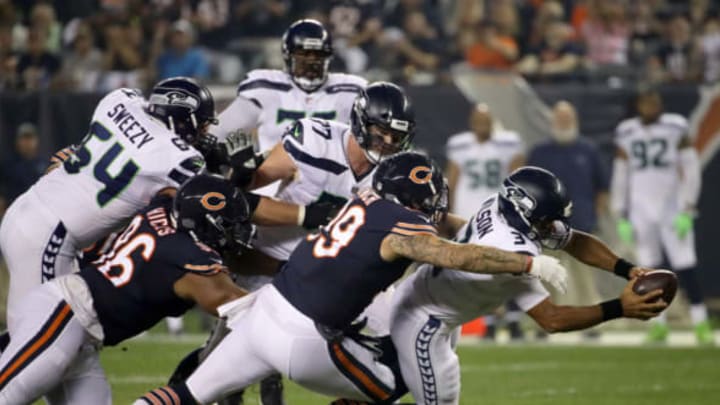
[[174, 324], [489, 320], [698, 313]]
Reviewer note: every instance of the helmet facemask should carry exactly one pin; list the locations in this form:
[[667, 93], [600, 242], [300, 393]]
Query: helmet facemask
[[378, 139], [309, 68]]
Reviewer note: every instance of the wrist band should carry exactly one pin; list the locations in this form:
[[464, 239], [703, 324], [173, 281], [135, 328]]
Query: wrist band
[[611, 309], [301, 215], [622, 268]]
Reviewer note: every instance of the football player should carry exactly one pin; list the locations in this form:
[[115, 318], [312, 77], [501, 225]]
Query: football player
[[529, 213], [477, 161], [166, 260], [655, 189], [303, 324], [134, 148], [269, 101]]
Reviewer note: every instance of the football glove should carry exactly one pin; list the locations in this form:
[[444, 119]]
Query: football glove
[[318, 213], [683, 224], [549, 270], [625, 231]]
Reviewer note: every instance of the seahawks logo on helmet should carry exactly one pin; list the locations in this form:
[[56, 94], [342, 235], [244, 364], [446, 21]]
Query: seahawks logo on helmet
[[176, 98], [520, 199]]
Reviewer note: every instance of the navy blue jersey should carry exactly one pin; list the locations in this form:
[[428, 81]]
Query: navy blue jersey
[[332, 276], [132, 284]]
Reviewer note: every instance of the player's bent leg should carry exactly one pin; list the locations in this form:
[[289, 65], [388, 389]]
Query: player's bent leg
[[45, 342], [84, 381]]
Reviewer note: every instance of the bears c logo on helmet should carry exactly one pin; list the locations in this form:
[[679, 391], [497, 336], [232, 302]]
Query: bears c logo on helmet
[[213, 201], [421, 175]]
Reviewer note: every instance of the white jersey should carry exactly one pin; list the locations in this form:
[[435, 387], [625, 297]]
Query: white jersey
[[269, 101], [456, 297], [126, 158], [653, 163], [318, 149], [482, 165]]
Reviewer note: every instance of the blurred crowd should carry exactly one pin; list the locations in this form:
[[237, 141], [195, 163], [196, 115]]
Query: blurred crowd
[[97, 45]]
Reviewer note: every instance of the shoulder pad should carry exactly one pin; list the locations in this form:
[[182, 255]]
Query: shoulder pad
[[674, 120], [187, 168], [463, 139], [268, 79], [625, 127], [344, 83]]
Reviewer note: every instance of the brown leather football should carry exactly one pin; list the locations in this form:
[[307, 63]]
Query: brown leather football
[[665, 280]]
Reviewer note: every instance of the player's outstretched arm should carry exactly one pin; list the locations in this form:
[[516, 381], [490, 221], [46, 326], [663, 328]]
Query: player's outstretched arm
[[472, 258], [561, 318], [208, 291], [278, 165], [594, 252]]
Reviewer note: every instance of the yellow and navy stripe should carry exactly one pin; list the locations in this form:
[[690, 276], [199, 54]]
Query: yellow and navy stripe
[[53, 327], [358, 374]]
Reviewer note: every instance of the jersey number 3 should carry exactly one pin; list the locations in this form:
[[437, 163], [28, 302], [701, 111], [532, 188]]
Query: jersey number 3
[[114, 184], [340, 232]]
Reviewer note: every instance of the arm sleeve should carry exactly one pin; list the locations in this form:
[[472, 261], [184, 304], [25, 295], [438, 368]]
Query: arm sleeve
[[691, 178], [242, 114]]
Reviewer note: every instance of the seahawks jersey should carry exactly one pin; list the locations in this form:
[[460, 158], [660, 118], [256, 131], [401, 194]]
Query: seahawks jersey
[[269, 101], [318, 149], [132, 284], [125, 159], [333, 275], [483, 166], [653, 163], [456, 297]]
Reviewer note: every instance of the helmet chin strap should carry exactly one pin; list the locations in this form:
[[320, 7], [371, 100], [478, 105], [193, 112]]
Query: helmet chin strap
[[373, 156]]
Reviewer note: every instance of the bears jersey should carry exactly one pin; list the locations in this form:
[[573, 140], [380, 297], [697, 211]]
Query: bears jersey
[[125, 159], [318, 149], [456, 297], [483, 166], [269, 101], [333, 275], [132, 284], [653, 163]]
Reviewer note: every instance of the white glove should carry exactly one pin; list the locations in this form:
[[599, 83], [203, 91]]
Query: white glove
[[550, 270]]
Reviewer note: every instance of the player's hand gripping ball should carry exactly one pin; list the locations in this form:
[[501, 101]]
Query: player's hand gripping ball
[[664, 280]]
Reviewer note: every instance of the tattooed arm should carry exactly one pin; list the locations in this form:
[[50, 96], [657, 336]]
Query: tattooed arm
[[444, 253]]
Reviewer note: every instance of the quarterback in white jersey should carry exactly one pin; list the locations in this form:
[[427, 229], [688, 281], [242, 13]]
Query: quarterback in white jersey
[[655, 188], [272, 100], [430, 306], [478, 160]]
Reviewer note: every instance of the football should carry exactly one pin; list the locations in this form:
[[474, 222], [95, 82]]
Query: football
[[665, 280]]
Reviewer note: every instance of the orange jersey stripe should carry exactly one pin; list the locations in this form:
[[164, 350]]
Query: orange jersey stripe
[[357, 373], [49, 332], [416, 226], [175, 397], [206, 268], [406, 232]]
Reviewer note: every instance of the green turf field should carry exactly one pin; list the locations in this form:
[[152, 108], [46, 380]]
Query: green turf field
[[532, 374]]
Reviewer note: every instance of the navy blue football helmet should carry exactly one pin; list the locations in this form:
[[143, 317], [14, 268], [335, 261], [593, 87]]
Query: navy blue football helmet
[[184, 105], [413, 180], [214, 212], [307, 50], [384, 106], [535, 202]]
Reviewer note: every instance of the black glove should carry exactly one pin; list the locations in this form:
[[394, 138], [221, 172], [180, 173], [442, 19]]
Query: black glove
[[319, 213]]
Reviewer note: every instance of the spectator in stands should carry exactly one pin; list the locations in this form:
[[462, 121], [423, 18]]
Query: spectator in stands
[[466, 16], [645, 31], [606, 33], [577, 163], [261, 18], [491, 50], [699, 11], [122, 59], [181, 58], [356, 26], [505, 17], [710, 48], [37, 68], [25, 166], [549, 12], [420, 49], [43, 17], [83, 63], [8, 59], [398, 14], [557, 56], [678, 59]]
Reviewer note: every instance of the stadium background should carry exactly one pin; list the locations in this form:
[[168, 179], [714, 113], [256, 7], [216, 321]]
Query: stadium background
[[57, 58]]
